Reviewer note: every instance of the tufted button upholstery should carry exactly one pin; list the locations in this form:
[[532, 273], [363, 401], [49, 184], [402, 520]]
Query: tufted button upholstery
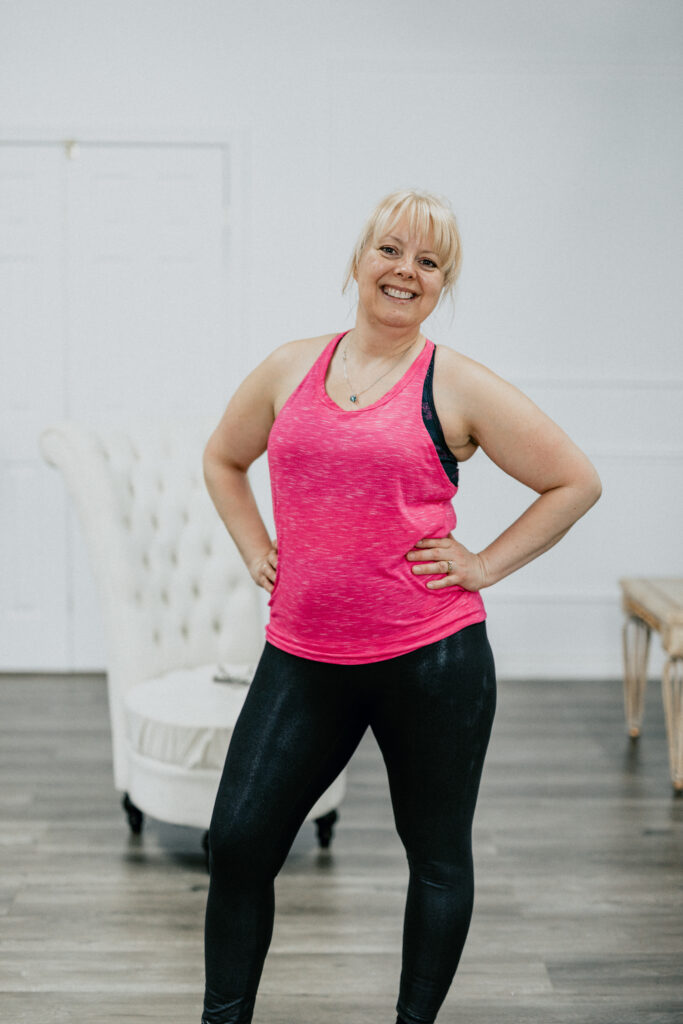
[[173, 530], [176, 600]]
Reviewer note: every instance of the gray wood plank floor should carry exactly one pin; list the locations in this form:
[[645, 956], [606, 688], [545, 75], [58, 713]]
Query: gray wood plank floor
[[578, 847]]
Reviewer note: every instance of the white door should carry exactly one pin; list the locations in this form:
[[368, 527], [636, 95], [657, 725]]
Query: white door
[[33, 568], [117, 298]]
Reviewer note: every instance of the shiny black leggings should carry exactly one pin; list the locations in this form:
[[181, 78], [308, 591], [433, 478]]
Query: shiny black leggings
[[431, 712]]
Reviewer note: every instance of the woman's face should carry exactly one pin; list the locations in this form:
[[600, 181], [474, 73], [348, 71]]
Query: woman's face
[[399, 278]]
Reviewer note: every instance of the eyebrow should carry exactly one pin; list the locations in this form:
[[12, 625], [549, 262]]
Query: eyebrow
[[395, 238]]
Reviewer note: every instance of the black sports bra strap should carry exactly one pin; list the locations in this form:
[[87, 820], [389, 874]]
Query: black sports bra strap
[[431, 422]]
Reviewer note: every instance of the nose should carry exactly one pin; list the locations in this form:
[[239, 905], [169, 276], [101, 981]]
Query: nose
[[404, 268]]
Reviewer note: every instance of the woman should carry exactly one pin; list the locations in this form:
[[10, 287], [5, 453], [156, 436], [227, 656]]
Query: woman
[[376, 618]]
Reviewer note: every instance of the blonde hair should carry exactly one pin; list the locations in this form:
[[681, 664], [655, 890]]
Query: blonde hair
[[429, 215]]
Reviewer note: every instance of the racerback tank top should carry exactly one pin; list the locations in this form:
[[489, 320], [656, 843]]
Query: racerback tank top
[[353, 491]]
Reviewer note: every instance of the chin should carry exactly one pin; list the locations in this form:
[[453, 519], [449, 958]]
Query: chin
[[399, 320]]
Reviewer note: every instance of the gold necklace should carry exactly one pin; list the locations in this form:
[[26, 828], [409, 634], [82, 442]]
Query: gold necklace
[[355, 395]]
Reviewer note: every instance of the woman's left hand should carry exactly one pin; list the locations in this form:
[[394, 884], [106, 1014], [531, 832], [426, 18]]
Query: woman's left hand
[[460, 567]]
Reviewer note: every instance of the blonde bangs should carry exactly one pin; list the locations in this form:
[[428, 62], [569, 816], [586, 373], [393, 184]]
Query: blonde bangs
[[429, 217]]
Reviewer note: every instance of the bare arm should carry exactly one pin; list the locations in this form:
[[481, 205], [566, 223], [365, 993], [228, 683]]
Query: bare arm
[[477, 407], [238, 440]]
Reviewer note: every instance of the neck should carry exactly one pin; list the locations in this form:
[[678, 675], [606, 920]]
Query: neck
[[379, 341]]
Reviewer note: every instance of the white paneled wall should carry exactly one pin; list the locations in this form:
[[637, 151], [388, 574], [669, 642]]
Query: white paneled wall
[[563, 179], [555, 129], [33, 546], [117, 276]]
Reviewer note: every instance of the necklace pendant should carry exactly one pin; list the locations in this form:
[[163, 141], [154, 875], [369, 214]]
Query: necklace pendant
[[353, 398]]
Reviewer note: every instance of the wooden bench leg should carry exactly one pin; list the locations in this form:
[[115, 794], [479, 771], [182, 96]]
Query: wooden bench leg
[[636, 637], [672, 693]]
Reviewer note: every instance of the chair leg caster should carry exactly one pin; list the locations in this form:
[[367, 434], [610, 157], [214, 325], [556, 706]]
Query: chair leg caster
[[325, 828], [134, 815]]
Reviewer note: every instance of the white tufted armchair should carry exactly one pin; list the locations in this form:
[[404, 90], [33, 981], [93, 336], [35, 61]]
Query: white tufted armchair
[[177, 601]]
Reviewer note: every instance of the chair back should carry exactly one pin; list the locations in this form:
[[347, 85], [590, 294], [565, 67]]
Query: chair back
[[174, 591]]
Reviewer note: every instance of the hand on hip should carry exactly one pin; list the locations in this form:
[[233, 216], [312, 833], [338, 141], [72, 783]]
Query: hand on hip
[[445, 555]]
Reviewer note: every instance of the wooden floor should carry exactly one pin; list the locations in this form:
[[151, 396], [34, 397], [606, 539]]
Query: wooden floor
[[578, 847]]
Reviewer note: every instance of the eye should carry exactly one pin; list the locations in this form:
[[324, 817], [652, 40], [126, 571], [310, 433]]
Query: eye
[[387, 249], [428, 263]]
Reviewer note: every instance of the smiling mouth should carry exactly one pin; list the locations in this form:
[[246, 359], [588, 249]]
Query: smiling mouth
[[397, 293]]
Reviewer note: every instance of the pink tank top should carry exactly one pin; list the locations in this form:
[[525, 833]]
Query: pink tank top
[[353, 491]]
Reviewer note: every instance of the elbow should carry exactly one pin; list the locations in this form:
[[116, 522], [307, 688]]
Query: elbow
[[597, 493], [591, 488], [216, 464], [211, 462], [582, 490], [595, 486], [208, 462]]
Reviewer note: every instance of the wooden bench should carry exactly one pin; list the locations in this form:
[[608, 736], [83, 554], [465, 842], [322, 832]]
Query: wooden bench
[[655, 604]]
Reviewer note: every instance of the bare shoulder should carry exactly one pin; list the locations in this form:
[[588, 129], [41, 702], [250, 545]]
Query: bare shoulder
[[494, 414], [288, 364], [242, 433], [473, 390], [298, 352], [506, 424], [477, 407], [461, 386], [460, 372], [278, 374]]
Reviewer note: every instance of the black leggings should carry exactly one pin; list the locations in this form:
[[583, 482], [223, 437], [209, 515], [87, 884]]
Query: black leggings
[[431, 712]]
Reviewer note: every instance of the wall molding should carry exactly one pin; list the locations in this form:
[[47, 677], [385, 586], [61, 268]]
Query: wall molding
[[521, 67], [631, 454], [544, 596], [598, 383], [123, 134]]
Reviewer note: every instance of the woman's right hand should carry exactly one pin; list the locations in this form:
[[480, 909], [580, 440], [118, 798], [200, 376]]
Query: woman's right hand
[[264, 568]]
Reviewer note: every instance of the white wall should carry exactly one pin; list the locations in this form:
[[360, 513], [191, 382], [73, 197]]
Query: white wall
[[554, 129]]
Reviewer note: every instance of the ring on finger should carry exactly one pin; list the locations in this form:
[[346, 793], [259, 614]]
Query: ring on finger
[[450, 568]]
